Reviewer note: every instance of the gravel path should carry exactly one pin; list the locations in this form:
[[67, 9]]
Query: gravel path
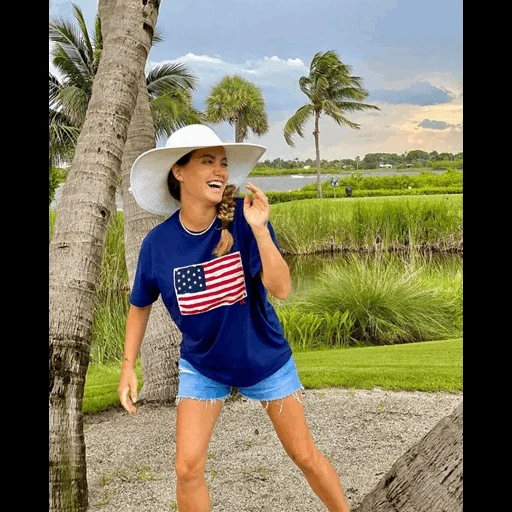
[[130, 458]]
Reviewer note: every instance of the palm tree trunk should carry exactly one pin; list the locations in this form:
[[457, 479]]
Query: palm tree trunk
[[239, 137], [427, 478], [160, 348], [317, 151], [76, 248]]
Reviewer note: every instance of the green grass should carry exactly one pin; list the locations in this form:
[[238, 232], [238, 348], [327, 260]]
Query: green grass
[[369, 224], [426, 366]]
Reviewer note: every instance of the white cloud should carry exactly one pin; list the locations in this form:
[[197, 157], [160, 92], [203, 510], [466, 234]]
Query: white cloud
[[190, 57], [285, 62]]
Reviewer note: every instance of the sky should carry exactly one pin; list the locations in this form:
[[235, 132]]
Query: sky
[[407, 52]]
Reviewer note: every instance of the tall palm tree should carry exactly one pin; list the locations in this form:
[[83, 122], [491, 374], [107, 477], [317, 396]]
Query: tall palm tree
[[76, 248], [331, 90], [239, 102], [164, 104]]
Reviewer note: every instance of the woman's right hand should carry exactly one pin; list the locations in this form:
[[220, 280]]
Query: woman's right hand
[[127, 389]]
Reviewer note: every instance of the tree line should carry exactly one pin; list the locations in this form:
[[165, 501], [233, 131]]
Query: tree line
[[413, 158]]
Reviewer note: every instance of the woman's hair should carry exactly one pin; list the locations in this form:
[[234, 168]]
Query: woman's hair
[[225, 209]]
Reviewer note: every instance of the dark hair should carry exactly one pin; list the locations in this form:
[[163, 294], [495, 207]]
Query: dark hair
[[172, 183], [225, 209]]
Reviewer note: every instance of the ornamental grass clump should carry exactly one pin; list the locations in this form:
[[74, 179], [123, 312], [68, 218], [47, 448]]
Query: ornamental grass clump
[[378, 301]]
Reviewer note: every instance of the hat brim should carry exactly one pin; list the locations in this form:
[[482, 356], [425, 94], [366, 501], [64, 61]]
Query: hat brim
[[148, 176]]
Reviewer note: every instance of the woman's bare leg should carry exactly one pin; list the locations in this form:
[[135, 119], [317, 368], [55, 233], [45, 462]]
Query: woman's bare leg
[[194, 427], [287, 416]]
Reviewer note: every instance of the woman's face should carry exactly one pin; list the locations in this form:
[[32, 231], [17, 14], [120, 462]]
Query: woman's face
[[205, 176]]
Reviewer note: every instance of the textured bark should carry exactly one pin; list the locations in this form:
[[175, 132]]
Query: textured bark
[[76, 248], [160, 348], [316, 131], [427, 478]]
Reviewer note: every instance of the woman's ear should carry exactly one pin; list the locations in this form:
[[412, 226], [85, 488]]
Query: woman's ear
[[176, 170]]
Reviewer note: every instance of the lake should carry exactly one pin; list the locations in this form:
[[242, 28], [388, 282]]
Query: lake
[[279, 183]]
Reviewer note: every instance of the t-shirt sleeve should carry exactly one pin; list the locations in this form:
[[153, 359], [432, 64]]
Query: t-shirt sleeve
[[255, 258], [145, 289]]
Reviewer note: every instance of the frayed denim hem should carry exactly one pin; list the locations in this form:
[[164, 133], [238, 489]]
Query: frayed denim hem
[[280, 400], [206, 400]]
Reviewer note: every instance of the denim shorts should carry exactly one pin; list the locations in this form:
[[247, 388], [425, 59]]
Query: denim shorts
[[280, 384]]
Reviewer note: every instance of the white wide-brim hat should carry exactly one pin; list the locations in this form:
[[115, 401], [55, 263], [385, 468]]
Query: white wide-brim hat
[[148, 176]]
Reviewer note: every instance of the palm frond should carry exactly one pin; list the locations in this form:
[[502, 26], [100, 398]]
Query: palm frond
[[74, 102], [62, 136], [70, 44], [333, 111], [166, 77], [87, 45], [295, 125], [171, 112], [54, 89]]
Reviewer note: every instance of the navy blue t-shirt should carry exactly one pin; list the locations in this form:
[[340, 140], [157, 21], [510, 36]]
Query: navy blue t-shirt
[[231, 332]]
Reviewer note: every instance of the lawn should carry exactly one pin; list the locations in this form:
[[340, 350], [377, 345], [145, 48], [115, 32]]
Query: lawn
[[426, 366]]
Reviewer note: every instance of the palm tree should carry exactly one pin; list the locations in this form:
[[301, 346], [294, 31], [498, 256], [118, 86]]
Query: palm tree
[[76, 55], [76, 248], [164, 104], [239, 102], [331, 90], [159, 352]]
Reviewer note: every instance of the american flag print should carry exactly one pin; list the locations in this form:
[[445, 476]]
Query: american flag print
[[206, 286]]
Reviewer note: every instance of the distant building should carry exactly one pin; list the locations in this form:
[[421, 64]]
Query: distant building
[[386, 166], [307, 167]]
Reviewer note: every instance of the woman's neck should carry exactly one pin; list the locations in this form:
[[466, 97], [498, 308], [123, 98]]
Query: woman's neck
[[196, 217]]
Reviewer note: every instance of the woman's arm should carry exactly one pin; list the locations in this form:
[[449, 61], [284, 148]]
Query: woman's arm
[[136, 323], [275, 273]]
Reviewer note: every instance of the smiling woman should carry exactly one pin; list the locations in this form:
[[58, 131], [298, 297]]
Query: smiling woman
[[217, 291]]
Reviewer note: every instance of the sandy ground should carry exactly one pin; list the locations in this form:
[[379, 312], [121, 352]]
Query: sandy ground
[[130, 458]]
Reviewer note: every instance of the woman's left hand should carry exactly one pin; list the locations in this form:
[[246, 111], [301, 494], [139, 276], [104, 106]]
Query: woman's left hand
[[257, 211]]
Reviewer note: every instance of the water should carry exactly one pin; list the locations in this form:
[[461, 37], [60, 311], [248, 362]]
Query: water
[[279, 183], [297, 181]]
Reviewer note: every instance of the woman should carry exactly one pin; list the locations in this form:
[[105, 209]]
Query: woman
[[215, 286]]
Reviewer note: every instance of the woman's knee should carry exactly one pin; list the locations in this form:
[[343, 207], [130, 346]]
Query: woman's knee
[[305, 455], [189, 468]]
